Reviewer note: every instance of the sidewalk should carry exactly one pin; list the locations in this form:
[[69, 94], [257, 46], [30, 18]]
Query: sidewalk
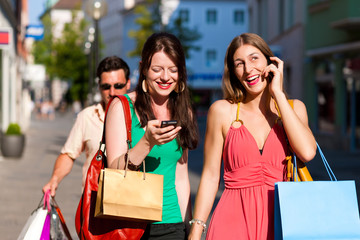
[[21, 180]]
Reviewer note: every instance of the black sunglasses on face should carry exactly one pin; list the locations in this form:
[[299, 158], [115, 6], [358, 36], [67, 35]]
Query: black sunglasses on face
[[106, 86]]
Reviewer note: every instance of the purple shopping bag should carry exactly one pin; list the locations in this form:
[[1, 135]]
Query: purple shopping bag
[[45, 234]]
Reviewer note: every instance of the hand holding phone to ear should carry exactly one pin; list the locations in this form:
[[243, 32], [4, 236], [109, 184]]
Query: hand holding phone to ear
[[275, 69]]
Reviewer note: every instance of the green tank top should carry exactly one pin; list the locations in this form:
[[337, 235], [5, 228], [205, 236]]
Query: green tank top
[[162, 160]]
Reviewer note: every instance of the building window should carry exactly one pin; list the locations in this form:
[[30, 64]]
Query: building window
[[281, 16], [291, 13], [211, 16], [239, 17], [287, 14], [184, 15], [262, 18], [211, 58]]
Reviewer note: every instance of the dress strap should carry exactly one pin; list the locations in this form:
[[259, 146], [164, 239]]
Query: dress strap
[[237, 111], [237, 115]]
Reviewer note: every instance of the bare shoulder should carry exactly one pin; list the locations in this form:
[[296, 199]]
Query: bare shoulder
[[115, 106], [299, 105], [221, 112], [132, 96], [300, 110], [116, 101], [220, 107]]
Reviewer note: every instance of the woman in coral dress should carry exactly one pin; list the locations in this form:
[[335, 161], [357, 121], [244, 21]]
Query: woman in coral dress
[[246, 131]]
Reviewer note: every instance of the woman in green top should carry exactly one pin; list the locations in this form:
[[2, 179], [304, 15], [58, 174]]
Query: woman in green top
[[161, 94]]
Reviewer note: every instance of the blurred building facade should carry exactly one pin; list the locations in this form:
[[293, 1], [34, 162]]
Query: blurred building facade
[[318, 40], [332, 57], [281, 24], [14, 97], [61, 12], [218, 22]]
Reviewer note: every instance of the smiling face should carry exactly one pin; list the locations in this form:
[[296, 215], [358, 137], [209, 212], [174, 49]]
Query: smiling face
[[249, 63], [162, 75]]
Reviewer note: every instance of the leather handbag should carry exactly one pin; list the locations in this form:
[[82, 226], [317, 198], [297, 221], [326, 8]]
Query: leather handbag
[[302, 173], [87, 225], [316, 209]]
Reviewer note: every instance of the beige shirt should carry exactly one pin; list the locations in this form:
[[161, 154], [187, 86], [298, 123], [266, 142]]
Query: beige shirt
[[85, 135]]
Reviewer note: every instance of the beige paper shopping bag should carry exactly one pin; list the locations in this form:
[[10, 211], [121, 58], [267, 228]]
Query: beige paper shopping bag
[[130, 195]]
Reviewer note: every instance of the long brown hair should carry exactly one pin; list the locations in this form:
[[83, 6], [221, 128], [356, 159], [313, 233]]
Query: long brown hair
[[233, 90], [179, 103]]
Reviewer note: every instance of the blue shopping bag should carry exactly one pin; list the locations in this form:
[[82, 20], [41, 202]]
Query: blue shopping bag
[[316, 210]]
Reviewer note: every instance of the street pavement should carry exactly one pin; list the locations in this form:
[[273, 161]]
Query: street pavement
[[21, 180]]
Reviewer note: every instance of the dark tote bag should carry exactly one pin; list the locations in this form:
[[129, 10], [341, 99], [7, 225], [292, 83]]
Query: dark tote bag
[[316, 210]]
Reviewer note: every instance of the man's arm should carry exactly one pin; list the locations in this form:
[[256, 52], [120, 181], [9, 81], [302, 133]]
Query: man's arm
[[62, 167]]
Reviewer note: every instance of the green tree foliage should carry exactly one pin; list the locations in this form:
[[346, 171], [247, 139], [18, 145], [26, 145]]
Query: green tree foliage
[[149, 21], [65, 57], [186, 35], [147, 24], [71, 60], [42, 50]]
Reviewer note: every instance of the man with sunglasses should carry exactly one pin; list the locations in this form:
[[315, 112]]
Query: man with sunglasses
[[85, 135]]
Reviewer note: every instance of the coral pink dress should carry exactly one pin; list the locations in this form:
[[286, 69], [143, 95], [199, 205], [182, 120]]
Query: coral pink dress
[[246, 208]]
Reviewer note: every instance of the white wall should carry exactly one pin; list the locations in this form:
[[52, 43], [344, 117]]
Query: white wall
[[8, 80]]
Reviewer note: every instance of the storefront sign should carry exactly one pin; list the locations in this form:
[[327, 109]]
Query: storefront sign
[[5, 37], [35, 31]]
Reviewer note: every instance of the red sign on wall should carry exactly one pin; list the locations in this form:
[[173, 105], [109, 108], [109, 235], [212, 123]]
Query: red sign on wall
[[4, 38]]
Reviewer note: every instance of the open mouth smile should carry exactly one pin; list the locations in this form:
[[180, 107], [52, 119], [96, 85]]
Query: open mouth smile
[[252, 80], [164, 85]]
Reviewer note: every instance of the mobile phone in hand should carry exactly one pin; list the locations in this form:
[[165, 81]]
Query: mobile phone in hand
[[271, 75], [168, 123]]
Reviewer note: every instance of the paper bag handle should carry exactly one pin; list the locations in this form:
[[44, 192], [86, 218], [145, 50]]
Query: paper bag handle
[[127, 164], [326, 164]]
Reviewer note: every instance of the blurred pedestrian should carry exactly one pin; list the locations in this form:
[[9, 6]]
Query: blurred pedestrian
[[85, 135], [76, 107], [161, 94], [38, 108], [45, 109], [245, 130], [51, 110]]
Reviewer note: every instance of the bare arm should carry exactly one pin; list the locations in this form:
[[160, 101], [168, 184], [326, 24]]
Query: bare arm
[[210, 177], [115, 134], [62, 167], [182, 185], [297, 129], [295, 120]]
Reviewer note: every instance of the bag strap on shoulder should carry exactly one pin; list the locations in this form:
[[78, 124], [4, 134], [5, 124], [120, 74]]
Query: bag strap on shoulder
[[126, 107]]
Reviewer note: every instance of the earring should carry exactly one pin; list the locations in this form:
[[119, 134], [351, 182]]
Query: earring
[[179, 89], [143, 85]]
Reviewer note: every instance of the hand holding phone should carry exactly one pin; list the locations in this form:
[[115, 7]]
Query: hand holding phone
[[271, 74], [168, 123]]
